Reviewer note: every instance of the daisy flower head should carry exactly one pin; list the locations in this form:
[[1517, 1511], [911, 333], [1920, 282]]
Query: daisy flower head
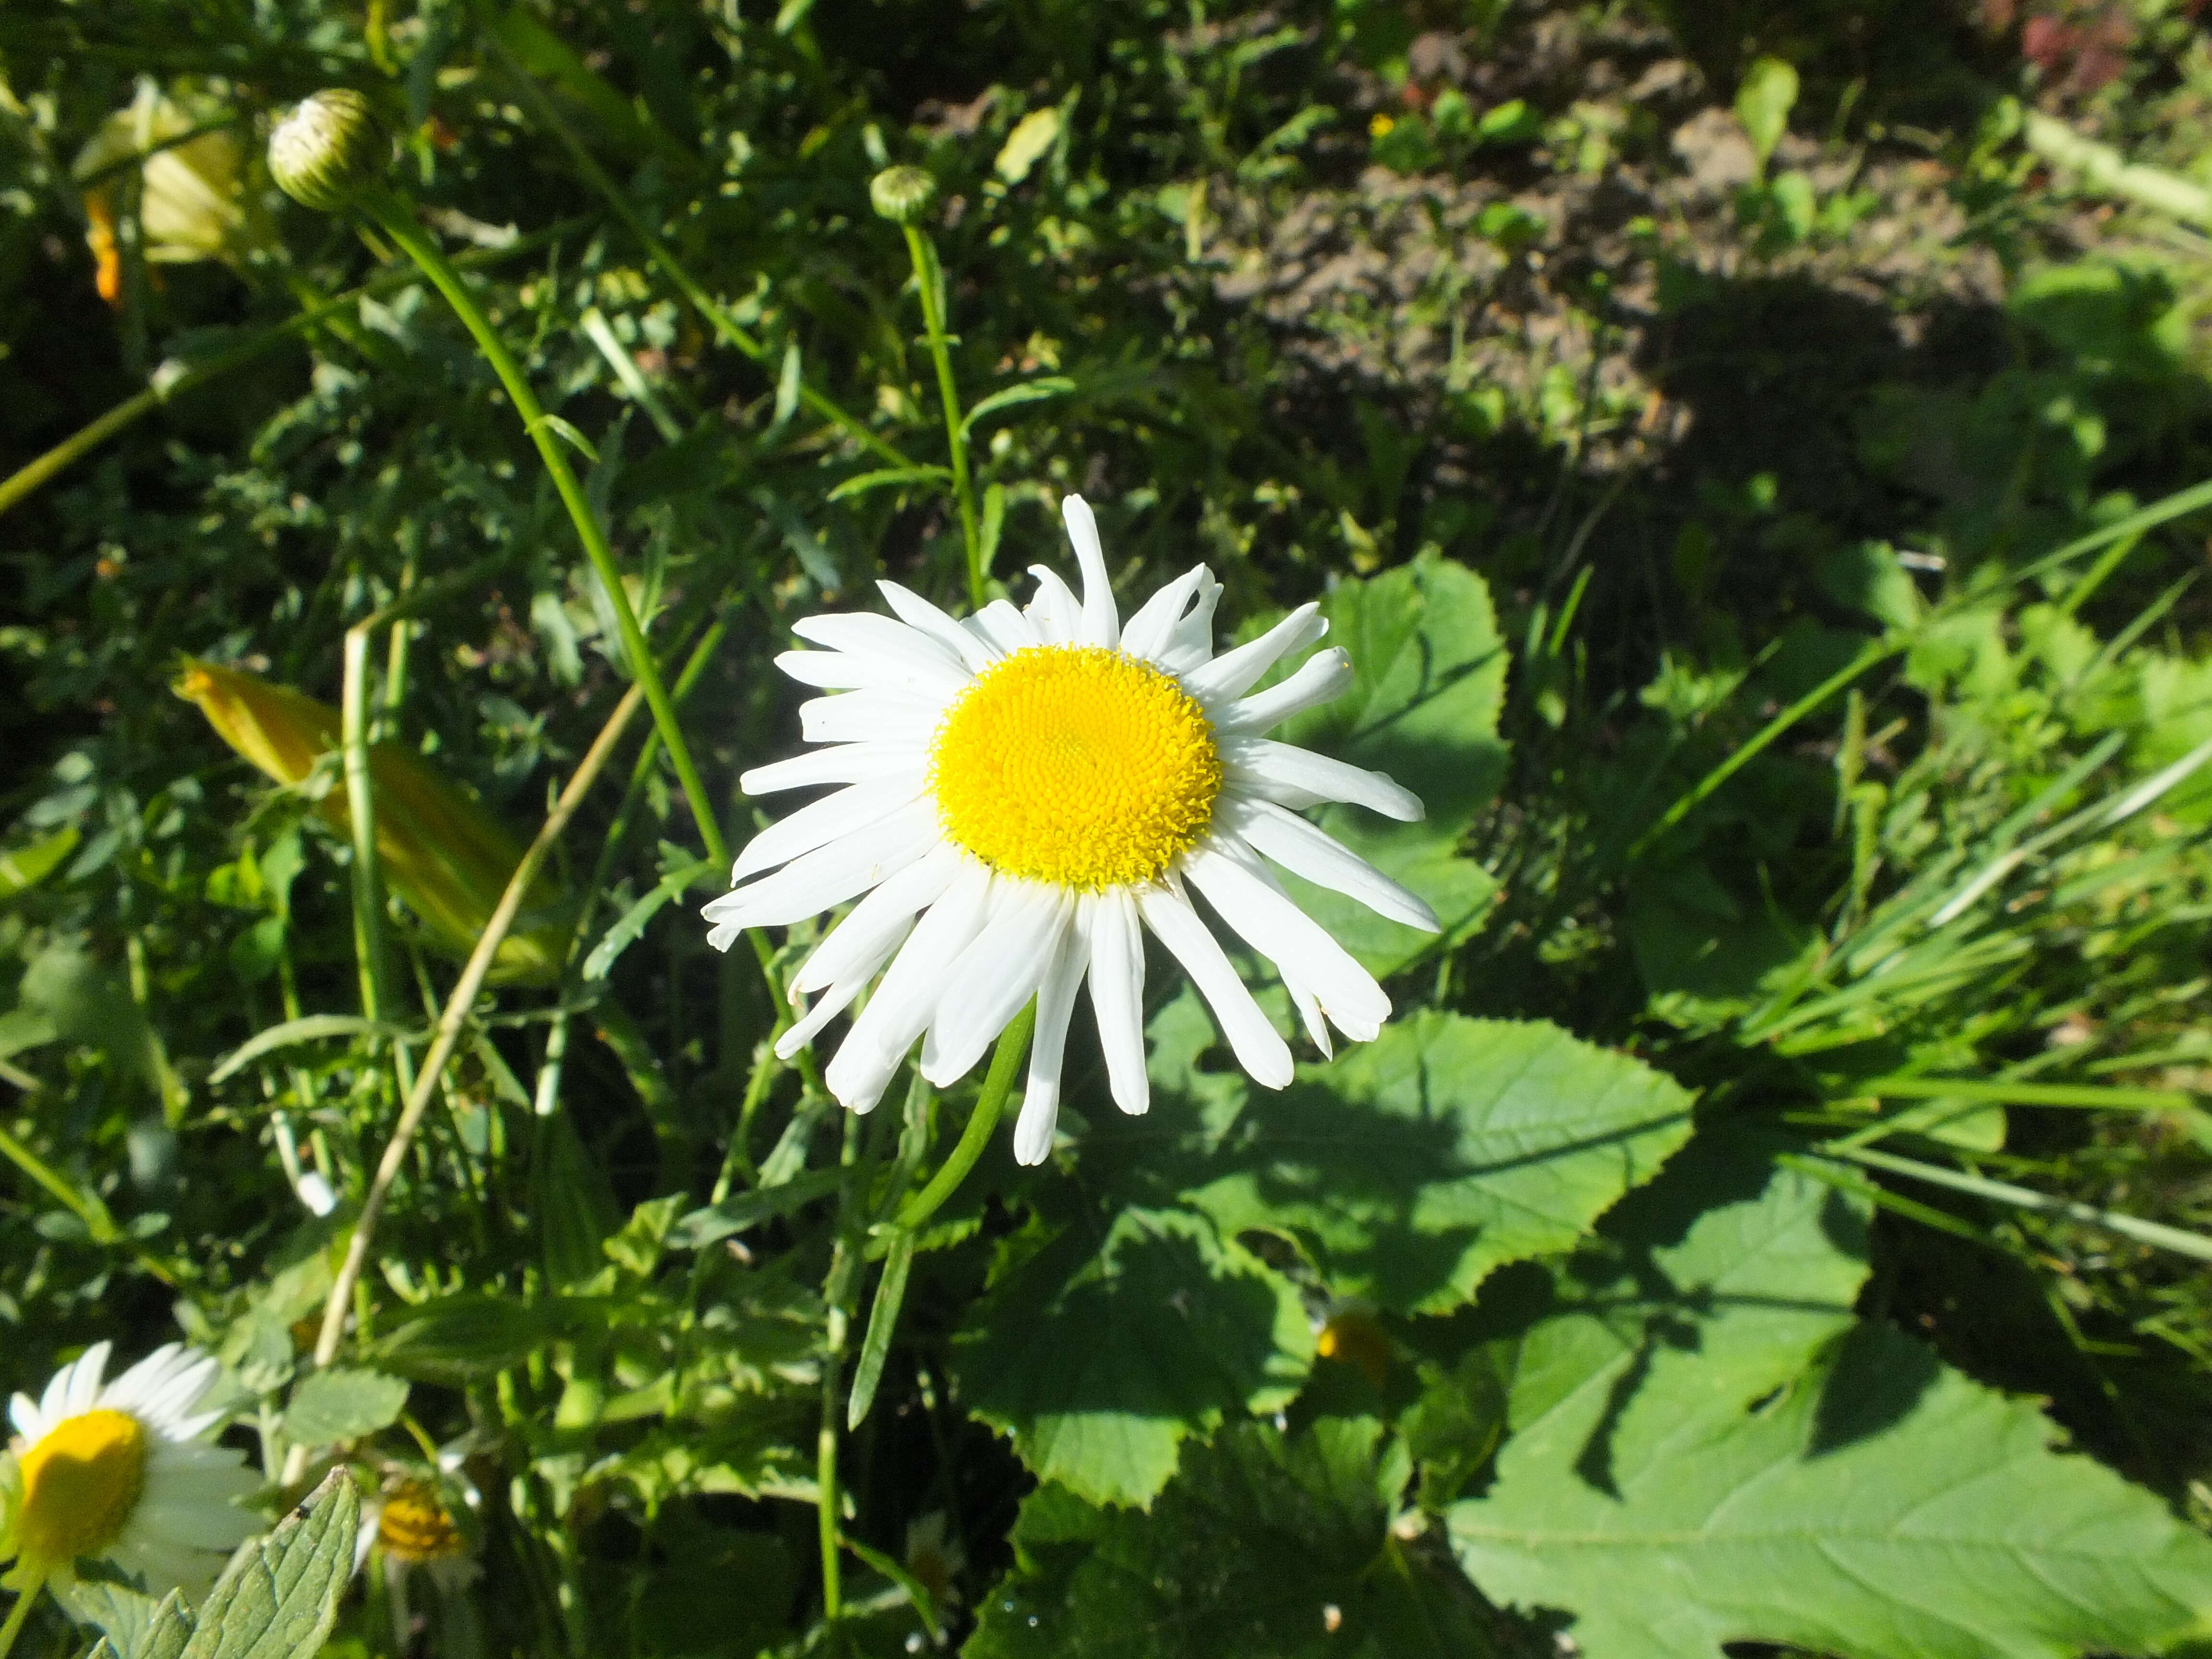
[[1026, 792], [122, 1473]]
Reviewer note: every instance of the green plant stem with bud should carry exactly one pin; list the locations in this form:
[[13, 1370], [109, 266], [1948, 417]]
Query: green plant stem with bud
[[396, 218], [929, 278]]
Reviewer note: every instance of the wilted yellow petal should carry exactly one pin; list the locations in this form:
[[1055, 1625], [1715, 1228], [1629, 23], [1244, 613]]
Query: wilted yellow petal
[[443, 853], [193, 203]]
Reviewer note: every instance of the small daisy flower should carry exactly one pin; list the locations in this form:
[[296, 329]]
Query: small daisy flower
[[1023, 793], [121, 1473]]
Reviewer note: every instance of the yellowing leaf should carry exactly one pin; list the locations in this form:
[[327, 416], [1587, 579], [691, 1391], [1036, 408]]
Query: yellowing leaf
[[443, 853]]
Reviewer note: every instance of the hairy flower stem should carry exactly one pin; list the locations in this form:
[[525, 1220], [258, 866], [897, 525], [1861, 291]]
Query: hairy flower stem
[[398, 222], [929, 279]]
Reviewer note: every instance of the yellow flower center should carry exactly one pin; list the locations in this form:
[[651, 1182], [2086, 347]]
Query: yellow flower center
[[79, 1483], [1075, 765], [414, 1527]]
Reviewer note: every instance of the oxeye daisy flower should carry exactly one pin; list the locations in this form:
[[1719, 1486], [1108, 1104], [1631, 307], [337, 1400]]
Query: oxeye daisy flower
[[121, 1473], [1023, 793]]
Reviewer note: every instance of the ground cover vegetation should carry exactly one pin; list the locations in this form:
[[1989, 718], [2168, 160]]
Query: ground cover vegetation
[[1755, 458]]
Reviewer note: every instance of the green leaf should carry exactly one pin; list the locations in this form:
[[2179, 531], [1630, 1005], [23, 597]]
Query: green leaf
[[278, 1598], [332, 1406], [1012, 396], [884, 477], [451, 1339], [1033, 135], [571, 1201], [1267, 1545], [25, 867], [1763, 103], [630, 926], [709, 1227], [1099, 1348], [565, 431], [308, 1027], [1420, 1161], [1429, 678], [1660, 1489]]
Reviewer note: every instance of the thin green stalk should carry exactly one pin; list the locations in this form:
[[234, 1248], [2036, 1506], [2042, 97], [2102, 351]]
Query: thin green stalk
[[27, 478], [397, 219], [447, 1035], [17, 1614], [838, 1295], [543, 110], [998, 1083], [928, 277], [372, 958], [2025, 1198]]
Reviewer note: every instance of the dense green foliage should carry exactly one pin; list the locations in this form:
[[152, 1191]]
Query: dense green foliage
[[1755, 458]]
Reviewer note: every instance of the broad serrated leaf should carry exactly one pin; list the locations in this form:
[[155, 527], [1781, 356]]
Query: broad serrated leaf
[[279, 1597], [1266, 1546], [1102, 1347], [1429, 672], [329, 1407], [1680, 1477], [1416, 1164]]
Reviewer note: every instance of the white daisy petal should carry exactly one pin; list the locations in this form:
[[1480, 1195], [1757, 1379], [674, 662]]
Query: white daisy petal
[[873, 638], [907, 998], [1151, 629], [1306, 850], [819, 823], [1271, 923], [1258, 1048], [1311, 1016], [30, 1422], [1101, 623], [1190, 638], [990, 981], [76, 1390], [829, 875], [1233, 673], [1297, 777], [1323, 678], [840, 995], [891, 907], [1055, 612], [869, 717], [845, 671], [1117, 996], [1063, 978], [919, 614], [1004, 628], [844, 763]]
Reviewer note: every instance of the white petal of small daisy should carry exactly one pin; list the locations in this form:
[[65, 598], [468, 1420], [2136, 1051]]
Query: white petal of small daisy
[[119, 1475], [1024, 794]]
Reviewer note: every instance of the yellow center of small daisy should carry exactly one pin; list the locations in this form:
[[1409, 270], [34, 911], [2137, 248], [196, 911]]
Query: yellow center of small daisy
[[1075, 765], [79, 1483], [414, 1527]]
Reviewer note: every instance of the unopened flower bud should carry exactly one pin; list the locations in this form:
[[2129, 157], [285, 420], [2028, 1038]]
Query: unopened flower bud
[[328, 150], [901, 194]]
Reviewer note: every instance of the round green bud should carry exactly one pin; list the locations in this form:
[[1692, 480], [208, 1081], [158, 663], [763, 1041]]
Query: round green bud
[[901, 194], [328, 148]]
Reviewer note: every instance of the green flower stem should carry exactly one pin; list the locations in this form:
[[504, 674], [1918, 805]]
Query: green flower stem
[[447, 1036], [372, 958], [17, 1614], [998, 1083], [27, 478], [398, 222], [545, 113], [928, 277], [840, 1295]]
